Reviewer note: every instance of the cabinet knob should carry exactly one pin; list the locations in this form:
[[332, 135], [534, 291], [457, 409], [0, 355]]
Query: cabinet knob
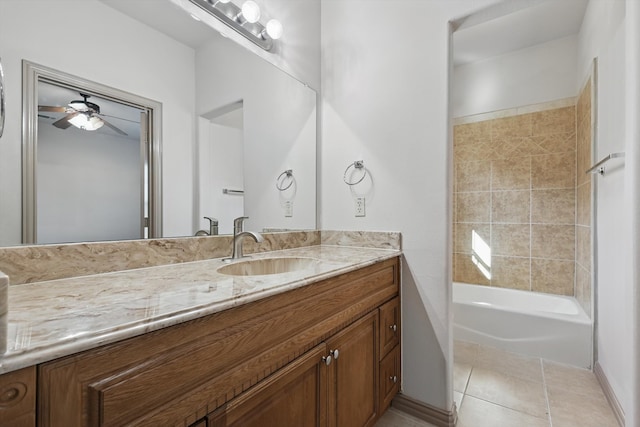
[[335, 353], [393, 327], [394, 379], [326, 360]]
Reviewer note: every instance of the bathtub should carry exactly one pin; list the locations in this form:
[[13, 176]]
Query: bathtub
[[549, 326]]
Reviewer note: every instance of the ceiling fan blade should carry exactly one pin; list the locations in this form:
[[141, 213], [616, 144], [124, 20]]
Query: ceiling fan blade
[[64, 123], [53, 109], [114, 128]]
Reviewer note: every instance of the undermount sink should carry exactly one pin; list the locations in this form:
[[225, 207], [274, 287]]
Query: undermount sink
[[255, 267]]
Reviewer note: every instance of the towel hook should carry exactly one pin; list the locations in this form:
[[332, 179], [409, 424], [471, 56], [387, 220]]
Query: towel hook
[[358, 164], [281, 180]]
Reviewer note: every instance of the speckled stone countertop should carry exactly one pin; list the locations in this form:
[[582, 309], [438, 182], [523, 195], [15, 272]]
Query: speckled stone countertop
[[51, 319]]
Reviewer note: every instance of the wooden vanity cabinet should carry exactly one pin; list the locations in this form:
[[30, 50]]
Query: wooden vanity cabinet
[[260, 363], [335, 384], [390, 361], [18, 398]]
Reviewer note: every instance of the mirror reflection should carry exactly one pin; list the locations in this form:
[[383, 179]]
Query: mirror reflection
[[90, 162], [192, 72]]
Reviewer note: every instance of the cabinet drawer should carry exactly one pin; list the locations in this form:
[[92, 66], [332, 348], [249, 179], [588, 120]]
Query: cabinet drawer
[[389, 378], [389, 326], [18, 398]]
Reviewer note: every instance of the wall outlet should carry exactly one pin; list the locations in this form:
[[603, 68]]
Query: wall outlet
[[288, 208], [360, 206]]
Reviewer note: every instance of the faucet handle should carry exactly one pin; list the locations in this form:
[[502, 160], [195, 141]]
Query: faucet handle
[[238, 224], [213, 221], [213, 226]]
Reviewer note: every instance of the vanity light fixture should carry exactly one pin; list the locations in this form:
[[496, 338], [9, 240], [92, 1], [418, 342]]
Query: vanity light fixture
[[244, 19]]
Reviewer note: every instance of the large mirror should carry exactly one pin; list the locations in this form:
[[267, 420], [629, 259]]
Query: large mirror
[[230, 120]]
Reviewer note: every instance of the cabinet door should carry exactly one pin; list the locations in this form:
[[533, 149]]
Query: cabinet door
[[296, 395], [353, 374], [389, 378], [18, 398], [389, 326]]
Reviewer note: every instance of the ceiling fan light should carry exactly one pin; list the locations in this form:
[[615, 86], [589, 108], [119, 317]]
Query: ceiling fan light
[[85, 122]]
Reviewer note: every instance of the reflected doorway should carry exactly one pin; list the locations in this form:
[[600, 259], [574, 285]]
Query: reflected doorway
[[91, 161]]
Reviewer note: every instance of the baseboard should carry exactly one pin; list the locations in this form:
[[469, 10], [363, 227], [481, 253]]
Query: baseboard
[[425, 412], [609, 394]]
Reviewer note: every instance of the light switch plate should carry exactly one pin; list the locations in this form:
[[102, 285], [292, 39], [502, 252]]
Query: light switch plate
[[288, 208]]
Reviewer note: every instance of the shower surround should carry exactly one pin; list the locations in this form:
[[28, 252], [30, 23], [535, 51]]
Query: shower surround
[[522, 200]]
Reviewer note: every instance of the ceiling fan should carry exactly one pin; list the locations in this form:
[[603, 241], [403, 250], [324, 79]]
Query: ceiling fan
[[82, 114]]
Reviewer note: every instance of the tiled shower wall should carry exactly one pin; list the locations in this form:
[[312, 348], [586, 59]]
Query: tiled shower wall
[[515, 201], [583, 199]]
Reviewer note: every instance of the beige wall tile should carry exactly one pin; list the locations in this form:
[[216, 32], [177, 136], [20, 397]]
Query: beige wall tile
[[472, 131], [511, 207], [560, 120], [583, 204], [471, 150], [583, 246], [511, 239], [536, 160], [583, 288], [467, 272], [473, 207], [553, 241], [473, 176], [512, 273], [583, 107], [553, 143], [510, 127], [553, 171], [552, 276], [553, 206], [463, 233], [512, 174], [584, 154]]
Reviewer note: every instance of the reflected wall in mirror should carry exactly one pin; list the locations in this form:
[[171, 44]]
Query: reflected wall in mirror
[[88, 172], [164, 56]]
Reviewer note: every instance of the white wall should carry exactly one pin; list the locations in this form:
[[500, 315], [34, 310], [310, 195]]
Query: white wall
[[88, 186], [113, 50], [385, 101], [279, 131], [541, 73], [602, 36], [221, 161], [297, 52]]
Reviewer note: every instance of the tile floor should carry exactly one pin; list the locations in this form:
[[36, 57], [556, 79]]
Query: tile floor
[[495, 388]]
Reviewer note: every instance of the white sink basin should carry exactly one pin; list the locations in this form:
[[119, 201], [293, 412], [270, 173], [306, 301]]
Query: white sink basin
[[255, 267]]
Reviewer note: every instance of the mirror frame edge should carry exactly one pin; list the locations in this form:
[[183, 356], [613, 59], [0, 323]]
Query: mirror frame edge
[[31, 74]]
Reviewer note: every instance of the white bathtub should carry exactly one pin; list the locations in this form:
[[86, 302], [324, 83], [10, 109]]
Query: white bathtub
[[549, 326]]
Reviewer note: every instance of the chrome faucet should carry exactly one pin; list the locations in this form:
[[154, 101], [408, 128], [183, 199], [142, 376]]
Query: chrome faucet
[[213, 228], [239, 234]]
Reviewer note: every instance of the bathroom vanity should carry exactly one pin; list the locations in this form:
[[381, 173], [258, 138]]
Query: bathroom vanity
[[319, 346]]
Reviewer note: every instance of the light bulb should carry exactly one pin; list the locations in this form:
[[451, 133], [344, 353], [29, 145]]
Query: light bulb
[[251, 11], [274, 29]]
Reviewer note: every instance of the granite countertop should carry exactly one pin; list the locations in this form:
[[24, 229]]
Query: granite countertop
[[56, 318]]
